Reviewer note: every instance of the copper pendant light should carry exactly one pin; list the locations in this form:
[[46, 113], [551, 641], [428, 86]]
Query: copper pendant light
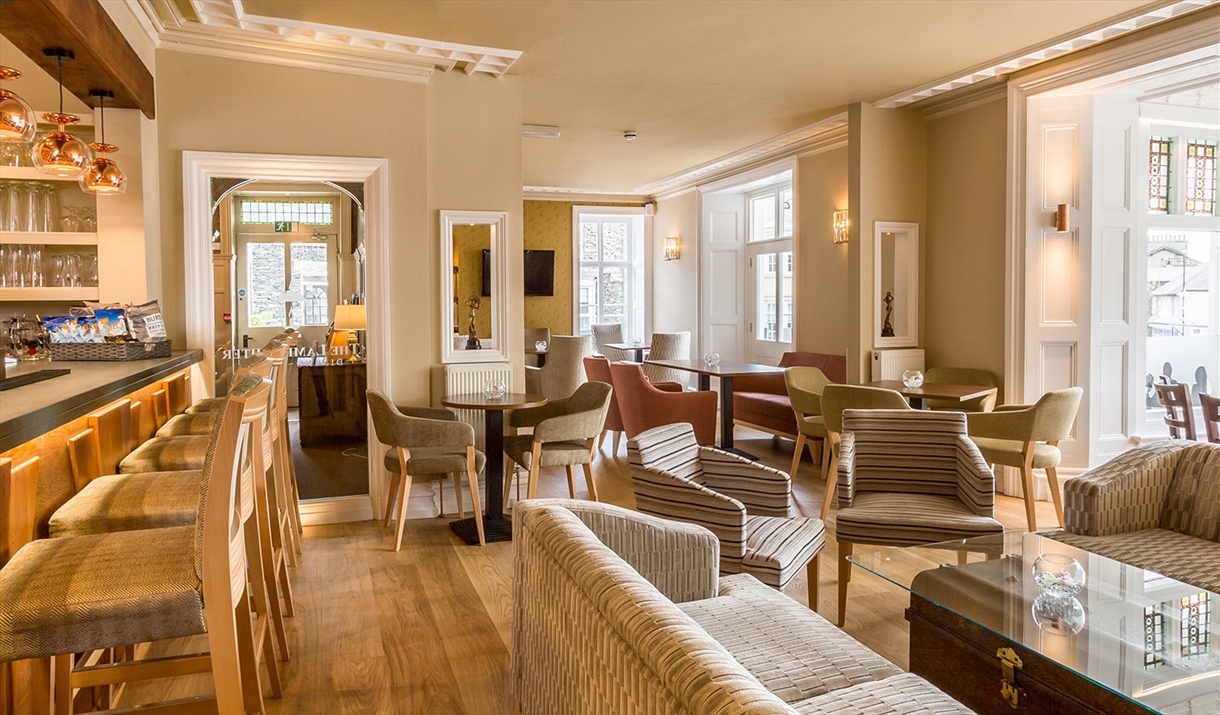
[[103, 176], [60, 152], [17, 120]]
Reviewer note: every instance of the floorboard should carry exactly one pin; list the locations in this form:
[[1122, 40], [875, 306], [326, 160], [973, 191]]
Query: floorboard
[[427, 629]]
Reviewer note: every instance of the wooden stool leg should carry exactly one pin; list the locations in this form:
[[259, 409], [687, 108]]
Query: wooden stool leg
[[592, 485], [472, 476], [571, 481], [796, 455], [395, 481], [844, 578], [813, 576], [457, 492], [62, 674], [1052, 480], [251, 689], [402, 510]]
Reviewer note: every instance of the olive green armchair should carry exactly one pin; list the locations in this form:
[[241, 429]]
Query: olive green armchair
[[805, 385], [835, 399], [962, 376], [429, 443], [564, 432], [1027, 437]]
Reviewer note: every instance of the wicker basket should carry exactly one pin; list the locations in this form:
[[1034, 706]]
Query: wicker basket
[[110, 352]]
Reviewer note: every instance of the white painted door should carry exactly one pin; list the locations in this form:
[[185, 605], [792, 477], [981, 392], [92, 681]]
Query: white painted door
[[1057, 288], [1116, 387], [721, 275], [769, 297]]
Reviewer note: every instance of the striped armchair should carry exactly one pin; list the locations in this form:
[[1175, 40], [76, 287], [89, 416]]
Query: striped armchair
[[909, 477], [747, 505]]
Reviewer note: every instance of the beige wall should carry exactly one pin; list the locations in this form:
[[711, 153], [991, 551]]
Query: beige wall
[[474, 164], [453, 144], [675, 284], [964, 276], [823, 324], [887, 174]]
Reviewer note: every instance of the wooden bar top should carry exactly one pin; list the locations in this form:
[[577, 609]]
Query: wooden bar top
[[33, 410]]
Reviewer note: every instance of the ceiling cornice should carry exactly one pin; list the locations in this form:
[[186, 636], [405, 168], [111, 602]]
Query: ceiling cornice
[[223, 28], [558, 193], [818, 136], [1071, 42]]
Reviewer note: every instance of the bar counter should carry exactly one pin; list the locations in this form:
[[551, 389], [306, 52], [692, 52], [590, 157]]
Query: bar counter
[[33, 410]]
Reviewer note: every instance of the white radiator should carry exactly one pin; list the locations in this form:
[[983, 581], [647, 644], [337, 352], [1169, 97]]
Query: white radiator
[[890, 364], [471, 378]]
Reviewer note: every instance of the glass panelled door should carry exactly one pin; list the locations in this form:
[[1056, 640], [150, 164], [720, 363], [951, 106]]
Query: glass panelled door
[[607, 291], [769, 330], [285, 282]]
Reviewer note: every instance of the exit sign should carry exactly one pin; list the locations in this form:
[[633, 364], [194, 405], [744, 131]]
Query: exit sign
[[283, 227]]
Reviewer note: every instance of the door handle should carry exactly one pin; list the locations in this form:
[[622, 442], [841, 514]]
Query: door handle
[[245, 341]]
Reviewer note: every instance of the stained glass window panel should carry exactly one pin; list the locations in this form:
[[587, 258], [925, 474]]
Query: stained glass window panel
[[1200, 183], [1196, 625], [1154, 636], [1158, 174], [309, 279]]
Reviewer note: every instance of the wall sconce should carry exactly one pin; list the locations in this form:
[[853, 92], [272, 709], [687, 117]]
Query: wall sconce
[[673, 248], [1061, 218], [841, 224]]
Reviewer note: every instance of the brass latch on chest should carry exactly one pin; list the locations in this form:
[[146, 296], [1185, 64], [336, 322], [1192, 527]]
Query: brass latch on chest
[[1010, 663]]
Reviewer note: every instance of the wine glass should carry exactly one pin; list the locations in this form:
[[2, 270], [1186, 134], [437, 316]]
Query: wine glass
[[89, 222]]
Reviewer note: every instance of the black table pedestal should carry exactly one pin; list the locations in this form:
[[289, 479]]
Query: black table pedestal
[[496, 526]]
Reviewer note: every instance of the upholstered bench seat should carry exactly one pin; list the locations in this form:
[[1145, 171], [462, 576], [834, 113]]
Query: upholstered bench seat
[[71, 595], [129, 502], [188, 424], [167, 454], [904, 694], [791, 650]]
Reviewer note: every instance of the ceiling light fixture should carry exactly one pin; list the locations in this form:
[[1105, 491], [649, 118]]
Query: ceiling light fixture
[[60, 152], [629, 136], [539, 131], [17, 120], [103, 176]]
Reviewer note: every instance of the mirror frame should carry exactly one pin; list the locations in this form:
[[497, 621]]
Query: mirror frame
[[497, 351], [908, 232]]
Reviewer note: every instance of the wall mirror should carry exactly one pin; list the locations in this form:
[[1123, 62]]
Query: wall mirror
[[474, 279], [896, 281]]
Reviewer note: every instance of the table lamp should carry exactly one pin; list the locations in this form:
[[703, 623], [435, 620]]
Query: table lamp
[[350, 318]]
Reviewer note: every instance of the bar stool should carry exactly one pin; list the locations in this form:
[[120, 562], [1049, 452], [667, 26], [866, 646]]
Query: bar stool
[[88, 593]]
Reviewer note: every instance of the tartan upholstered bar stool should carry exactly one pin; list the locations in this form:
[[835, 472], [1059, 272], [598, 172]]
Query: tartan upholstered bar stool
[[70, 596]]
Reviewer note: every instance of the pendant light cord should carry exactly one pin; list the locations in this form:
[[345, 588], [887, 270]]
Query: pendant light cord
[[59, 60], [101, 111]]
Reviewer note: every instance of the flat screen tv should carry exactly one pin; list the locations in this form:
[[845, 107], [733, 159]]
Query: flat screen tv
[[539, 272]]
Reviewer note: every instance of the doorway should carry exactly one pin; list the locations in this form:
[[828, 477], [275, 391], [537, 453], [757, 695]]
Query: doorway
[[201, 172]]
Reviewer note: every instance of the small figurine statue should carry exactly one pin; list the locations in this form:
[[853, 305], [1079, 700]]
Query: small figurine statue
[[472, 336], [887, 328]]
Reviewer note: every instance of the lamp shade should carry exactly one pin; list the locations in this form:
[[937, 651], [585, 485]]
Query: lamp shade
[[17, 120], [349, 317]]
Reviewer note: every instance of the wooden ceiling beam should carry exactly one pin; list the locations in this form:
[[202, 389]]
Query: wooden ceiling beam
[[104, 59]]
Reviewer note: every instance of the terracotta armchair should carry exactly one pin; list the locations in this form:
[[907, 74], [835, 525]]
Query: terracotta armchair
[[597, 369], [644, 405]]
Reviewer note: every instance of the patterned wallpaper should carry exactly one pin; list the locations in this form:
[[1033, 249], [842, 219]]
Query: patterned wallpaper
[[548, 227]]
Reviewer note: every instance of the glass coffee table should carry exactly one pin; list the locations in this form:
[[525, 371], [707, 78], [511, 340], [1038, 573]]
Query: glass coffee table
[[1130, 641]]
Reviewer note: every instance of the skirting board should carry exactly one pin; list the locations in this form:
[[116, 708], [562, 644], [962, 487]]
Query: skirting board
[[337, 510]]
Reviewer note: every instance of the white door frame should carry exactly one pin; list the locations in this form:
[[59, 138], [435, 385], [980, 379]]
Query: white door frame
[[1173, 37], [198, 170]]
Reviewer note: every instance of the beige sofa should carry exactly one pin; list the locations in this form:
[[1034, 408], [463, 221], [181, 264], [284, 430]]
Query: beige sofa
[[1156, 507], [619, 612]]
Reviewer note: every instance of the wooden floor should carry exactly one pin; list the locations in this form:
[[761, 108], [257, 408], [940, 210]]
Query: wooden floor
[[426, 630]]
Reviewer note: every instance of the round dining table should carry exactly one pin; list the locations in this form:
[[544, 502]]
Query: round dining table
[[496, 526]]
